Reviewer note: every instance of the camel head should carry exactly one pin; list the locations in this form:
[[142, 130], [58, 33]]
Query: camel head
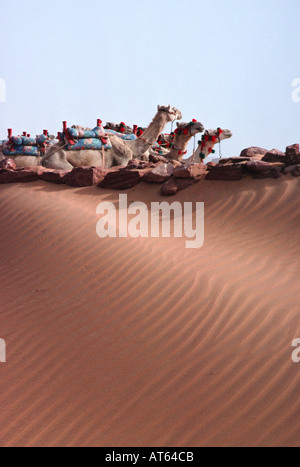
[[173, 113], [183, 134], [219, 133], [210, 139], [189, 129]]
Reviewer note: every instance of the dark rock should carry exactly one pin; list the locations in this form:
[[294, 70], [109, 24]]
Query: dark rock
[[294, 148], [54, 176], [122, 179], [85, 176], [290, 168], [160, 174], [190, 171], [235, 160], [253, 151], [140, 165], [258, 166], [229, 172], [174, 185], [155, 159], [18, 176], [296, 171], [261, 169], [8, 164], [274, 156], [293, 154]]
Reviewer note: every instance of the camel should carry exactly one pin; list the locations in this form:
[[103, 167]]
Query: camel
[[206, 145], [28, 161], [122, 151], [183, 134]]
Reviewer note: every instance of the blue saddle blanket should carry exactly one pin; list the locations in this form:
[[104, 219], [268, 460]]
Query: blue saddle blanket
[[24, 146], [21, 151], [131, 137], [88, 143], [97, 132]]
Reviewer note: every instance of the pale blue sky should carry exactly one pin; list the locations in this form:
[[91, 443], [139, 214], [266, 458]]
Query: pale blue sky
[[228, 63]]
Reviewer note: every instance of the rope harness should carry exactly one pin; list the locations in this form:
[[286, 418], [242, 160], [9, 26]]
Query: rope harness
[[213, 139], [185, 131]]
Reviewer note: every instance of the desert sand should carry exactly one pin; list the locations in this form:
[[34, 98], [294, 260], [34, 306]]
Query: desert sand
[[141, 342]]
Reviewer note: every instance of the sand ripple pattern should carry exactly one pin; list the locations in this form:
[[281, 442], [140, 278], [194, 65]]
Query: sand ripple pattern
[[123, 342]]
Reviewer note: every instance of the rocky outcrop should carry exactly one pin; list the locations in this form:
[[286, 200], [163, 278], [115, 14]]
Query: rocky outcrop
[[174, 185], [261, 169], [54, 176], [192, 171], [226, 172], [140, 165], [157, 159], [296, 171], [274, 156], [85, 176], [253, 151], [292, 154], [292, 169], [123, 178], [8, 164], [160, 174], [234, 160], [18, 176]]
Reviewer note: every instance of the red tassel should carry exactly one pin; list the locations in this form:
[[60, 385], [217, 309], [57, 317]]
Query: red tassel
[[45, 132], [194, 120], [99, 122], [186, 132], [9, 133]]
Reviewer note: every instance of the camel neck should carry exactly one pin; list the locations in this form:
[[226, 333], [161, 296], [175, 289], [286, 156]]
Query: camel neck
[[155, 128], [179, 147]]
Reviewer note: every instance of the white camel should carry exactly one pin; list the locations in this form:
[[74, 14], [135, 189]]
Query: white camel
[[27, 161], [207, 144]]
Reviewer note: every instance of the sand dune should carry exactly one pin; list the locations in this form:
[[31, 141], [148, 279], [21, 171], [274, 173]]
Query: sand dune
[[123, 342]]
